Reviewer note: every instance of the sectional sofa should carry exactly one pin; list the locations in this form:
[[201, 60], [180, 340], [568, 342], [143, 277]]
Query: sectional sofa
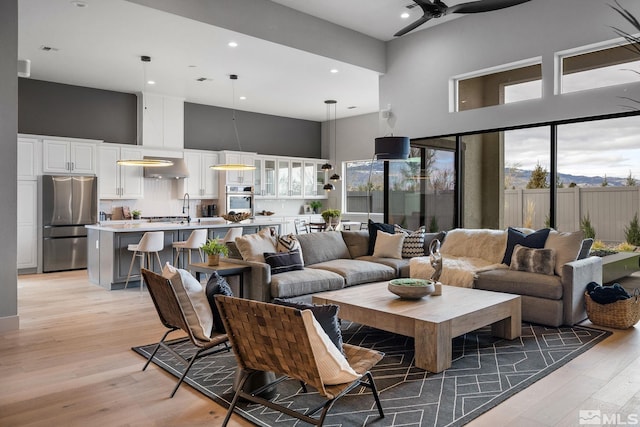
[[335, 260]]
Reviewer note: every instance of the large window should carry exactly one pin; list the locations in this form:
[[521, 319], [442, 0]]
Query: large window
[[583, 70], [503, 85]]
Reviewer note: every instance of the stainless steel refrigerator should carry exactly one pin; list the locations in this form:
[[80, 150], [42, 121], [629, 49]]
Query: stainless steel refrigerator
[[68, 204]]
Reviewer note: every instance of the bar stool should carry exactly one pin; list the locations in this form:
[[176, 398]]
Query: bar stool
[[196, 239], [231, 235], [152, 241]]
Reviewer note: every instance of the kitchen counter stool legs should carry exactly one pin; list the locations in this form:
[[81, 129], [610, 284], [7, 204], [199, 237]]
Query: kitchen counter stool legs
[[196, 239], [152, 241]]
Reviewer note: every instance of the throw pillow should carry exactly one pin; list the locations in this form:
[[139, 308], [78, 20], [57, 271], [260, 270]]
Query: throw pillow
[[192, 299], [288, 243], [566, 245], [332, 365], [253, 246], [388, 245], [373, 228], [217, 285], [541, 261], [281, 262], [585, 248], [515, 237], [413, 244], [326, 315]]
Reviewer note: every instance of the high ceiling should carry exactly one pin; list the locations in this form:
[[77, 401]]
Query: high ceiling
[[100, 45]]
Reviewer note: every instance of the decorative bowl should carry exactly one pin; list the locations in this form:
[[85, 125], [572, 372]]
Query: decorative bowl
[[411, 288], [237, 217]]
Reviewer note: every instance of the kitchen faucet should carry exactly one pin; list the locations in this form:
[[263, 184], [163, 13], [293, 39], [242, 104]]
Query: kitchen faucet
[[185, 206]]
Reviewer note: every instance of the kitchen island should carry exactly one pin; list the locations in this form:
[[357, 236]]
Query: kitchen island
[[108, 258]]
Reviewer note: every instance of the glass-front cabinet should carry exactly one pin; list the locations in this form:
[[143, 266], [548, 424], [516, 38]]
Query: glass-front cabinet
[[290, 178], [314, 179], [265, 177]]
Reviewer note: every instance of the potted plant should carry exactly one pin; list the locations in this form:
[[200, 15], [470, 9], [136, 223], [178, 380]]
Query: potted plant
[[135, 214], [214, 248], [331, 217], [315, 205]]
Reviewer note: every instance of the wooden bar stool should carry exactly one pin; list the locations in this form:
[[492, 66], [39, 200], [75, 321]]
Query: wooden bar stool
[[196, 239], [152, 241]]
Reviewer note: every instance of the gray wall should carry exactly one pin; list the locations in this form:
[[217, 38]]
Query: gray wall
[[8, 160], [47, 108], [211, 128]]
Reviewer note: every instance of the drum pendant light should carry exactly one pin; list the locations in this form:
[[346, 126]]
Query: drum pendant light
[[328, 166]]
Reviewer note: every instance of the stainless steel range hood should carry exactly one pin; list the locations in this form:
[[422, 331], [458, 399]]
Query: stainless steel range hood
[[176, 171]]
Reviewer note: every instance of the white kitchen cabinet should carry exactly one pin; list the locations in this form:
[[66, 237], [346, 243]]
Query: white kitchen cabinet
[[203, 181], [28, 158], [238, 177], [265, 177], [314, 179], [68, 156], [290, 178], [120, 182], [27, 205], [162, 121]]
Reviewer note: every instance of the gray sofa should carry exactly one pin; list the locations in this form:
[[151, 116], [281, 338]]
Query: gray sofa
[[335, 260]]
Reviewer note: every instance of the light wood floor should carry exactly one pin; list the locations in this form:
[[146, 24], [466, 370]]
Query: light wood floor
[[70, 364]]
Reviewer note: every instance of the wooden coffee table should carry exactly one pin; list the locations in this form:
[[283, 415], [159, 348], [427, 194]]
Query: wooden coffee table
[[433, 321]]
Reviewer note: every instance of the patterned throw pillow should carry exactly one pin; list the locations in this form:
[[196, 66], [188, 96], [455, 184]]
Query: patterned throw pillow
[[288, 243], [535, 240], [413, 244], [542, 261], [281, 262]]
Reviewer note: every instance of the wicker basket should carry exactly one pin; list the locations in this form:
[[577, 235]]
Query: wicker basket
[[620, 314]]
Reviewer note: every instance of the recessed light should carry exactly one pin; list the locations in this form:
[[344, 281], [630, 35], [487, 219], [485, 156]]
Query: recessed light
[[333, 70], [404, 15], [78, 3], [242, 98], [232, 44], [151, 82]]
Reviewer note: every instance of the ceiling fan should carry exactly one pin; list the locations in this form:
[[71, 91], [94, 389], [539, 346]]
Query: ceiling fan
[[437, 9]]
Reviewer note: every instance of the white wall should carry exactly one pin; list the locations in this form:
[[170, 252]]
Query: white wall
[[420, 65]]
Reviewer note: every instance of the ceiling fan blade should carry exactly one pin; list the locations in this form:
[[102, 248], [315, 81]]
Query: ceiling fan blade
[[412, 26], [483, 6]]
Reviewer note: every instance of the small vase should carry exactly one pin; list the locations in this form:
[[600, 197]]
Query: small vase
[[213, 260]]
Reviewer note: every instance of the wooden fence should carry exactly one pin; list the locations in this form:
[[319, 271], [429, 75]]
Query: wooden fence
[[610, 209]]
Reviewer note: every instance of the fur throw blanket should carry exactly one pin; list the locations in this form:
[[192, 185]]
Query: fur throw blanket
[[465, 252]]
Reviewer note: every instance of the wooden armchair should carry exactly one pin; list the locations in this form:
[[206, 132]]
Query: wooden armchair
[[173, 318], [272, 338]]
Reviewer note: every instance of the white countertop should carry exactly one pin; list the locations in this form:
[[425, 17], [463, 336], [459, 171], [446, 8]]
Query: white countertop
[[137, 225]]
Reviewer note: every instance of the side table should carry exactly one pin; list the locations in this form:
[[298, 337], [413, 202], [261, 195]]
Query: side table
[[224, 269]]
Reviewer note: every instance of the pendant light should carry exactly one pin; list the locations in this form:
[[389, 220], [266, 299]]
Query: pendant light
[[328, 166], [149, 163], [335, 177], [234, 166]]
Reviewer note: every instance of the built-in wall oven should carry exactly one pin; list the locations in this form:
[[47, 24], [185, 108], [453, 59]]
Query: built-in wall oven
[[240, 198]]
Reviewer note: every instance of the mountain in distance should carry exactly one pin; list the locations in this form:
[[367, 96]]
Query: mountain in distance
[[520, 178]]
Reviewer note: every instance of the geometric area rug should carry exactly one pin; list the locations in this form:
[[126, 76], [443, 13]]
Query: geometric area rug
[[485, 372]]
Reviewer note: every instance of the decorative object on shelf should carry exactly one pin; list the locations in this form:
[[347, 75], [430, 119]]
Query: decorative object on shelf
[[435, 258], [214, 248], [331, 217], [236, 217], [411, 288], [234, 166], [315, 205], [135, 214]]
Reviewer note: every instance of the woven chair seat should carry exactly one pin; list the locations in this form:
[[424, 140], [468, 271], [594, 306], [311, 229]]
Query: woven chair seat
[[272, 338]]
